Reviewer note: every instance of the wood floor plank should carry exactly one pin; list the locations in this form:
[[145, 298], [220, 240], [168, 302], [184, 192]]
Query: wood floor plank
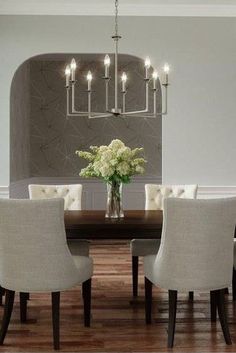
[[118, 321]]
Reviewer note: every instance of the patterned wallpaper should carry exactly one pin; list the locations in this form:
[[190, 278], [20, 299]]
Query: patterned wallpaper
[[20, 124], [54, 139]]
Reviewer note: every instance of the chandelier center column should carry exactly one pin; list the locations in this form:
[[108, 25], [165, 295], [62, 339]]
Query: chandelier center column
[[116, 38]]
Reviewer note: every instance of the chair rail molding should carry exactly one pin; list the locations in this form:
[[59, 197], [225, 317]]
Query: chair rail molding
[[4, 192], [207, 192], [94, 190]]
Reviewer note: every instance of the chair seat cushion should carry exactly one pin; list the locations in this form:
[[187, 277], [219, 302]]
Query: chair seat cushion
[[144, 247], [78, 247], [85, 267]]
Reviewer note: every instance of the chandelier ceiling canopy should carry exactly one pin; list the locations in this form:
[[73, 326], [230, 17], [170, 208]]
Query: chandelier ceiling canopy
[[150, 78]]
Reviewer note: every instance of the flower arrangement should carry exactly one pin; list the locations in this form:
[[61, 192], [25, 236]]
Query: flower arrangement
[[113, 163]]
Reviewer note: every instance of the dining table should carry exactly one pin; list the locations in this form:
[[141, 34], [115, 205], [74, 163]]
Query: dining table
[[92, 224]]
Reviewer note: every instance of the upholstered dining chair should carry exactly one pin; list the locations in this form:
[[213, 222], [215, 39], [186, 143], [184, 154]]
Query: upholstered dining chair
[[193, 255], [72, 195], [34, 257], [154, 196]]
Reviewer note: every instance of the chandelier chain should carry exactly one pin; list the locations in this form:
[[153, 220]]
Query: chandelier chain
[[116, 17]]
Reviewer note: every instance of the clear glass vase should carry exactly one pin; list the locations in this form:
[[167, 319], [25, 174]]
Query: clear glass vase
[[114, 200]]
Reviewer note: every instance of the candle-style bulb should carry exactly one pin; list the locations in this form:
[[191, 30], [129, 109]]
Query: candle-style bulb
[[123, 80], [67, 73], [124, 77], [67, 70], [155, 75], [147, 62], [73, 64], [89, 76], [107, 60], [166, 68]]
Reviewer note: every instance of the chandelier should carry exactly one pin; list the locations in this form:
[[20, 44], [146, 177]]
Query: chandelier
[[150, 79]]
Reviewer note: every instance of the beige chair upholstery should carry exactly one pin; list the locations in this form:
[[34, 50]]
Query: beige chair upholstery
[[196, 251], [72, 195], [34, 256], [154, 196]]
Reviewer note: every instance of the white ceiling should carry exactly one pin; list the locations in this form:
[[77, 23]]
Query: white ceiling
[[127, 7]]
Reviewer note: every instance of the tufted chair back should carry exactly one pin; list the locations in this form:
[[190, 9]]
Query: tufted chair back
[[155, 194], [71, 194]]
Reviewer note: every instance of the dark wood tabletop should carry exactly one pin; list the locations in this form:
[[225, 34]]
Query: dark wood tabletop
[[93, 225]]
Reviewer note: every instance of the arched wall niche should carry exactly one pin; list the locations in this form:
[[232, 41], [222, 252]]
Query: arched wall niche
[[43, 142]]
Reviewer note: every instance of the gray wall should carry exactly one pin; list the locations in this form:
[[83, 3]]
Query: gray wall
[[199, 142]]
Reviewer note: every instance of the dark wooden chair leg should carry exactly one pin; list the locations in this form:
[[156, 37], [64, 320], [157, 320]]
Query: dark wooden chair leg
[[234, 284], [148, 301], [27, 296], [135, 275], [2, 292], [9, 301], [191, 296], [23, 307], [56, 319], [172, 316], [213, 305], [220, 297], [86, 292]]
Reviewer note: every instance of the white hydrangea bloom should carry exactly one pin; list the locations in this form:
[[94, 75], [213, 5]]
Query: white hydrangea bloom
[[106, 170], [123, 168], [116, 145], [107, 156]]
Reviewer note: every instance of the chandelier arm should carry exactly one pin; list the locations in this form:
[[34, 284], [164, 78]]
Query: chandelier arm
[[165, 94], [146, 116], [107, 94], [154, 101], [100, 115], [147, 95], [73, 97], [136, 112], [89, 103], [123, 101], [67, 101]]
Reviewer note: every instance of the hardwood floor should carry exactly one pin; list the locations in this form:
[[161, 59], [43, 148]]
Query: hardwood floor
[[118, 323]]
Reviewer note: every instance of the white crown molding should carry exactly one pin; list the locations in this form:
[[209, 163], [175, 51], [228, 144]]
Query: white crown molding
[[70, 7]]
